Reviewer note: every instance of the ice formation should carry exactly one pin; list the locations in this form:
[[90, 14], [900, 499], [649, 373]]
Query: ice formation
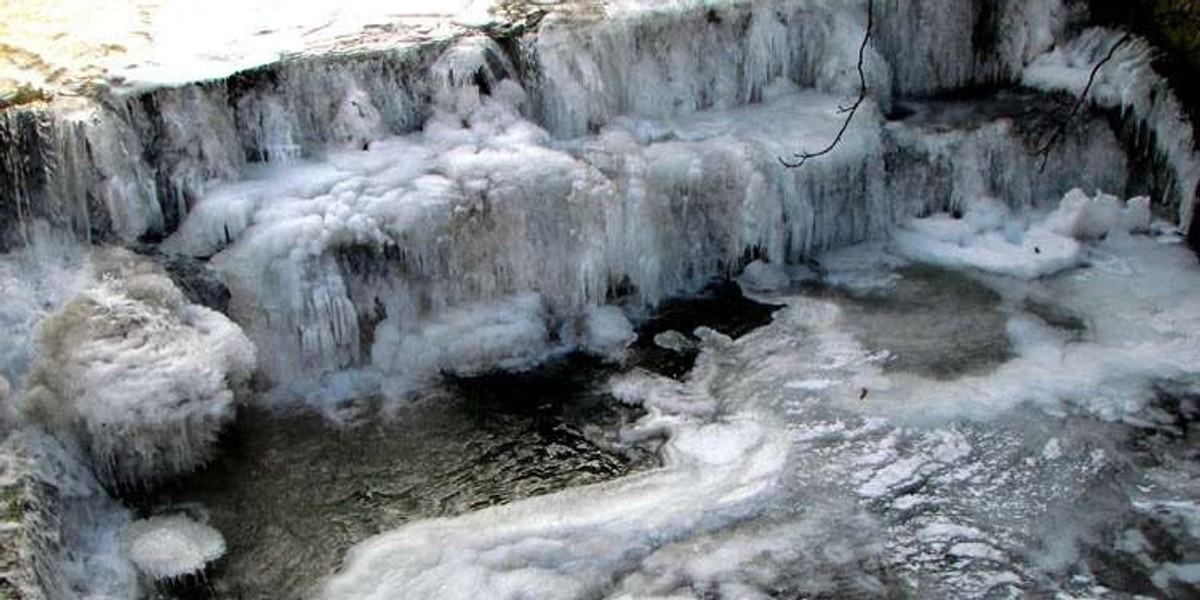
[[144, 379], [452, 207], [662, 145], [574, 543], [59, 526], [171, 547], [990, 238], [1128, 83]]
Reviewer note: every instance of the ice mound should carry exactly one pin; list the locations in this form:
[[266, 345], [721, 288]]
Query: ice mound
[[1091, 219], [605, 331], [990, 239], [760, 276], [171, 547], [144, 379]]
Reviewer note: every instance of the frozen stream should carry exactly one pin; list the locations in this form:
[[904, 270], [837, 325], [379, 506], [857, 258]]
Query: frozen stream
[[376, 302]]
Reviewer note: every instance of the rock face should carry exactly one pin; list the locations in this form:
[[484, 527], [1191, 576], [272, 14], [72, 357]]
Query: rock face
[[144, 380]]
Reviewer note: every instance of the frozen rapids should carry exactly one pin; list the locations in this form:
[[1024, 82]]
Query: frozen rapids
[[403, 304]]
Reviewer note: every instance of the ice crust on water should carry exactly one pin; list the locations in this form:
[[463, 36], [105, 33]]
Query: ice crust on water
[[989, 238], [144, 379], [171, 547]]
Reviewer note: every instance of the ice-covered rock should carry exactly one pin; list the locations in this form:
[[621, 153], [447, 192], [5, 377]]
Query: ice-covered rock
[[674, 341], [58, 526], [145, 380], [760, 276], [171, 547], [605, 331]]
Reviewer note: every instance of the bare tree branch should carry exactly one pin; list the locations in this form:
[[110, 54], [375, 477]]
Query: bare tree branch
[[1080, 102], [800, 158]]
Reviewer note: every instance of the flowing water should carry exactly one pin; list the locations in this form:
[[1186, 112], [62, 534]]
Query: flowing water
[[292, 491]]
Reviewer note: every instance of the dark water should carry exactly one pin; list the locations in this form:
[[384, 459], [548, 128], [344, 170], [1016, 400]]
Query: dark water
[[938, 323], [291, 492], [720, 306]]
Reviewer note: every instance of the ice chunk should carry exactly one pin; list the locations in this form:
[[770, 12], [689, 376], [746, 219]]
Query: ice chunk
[[145, 380], [674, 341], [172, 547], [606, 332], [1085, 218], [760, 276]]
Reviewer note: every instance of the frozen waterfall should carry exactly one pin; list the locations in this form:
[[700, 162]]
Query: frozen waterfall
[[438, 199]]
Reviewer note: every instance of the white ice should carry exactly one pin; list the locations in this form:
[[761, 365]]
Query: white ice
[[1128, 83], [171, 547], [145, 379], [989, 238], [483, 205]]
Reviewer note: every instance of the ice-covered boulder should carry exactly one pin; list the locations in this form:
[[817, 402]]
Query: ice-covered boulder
[[761, 276], [606, 332], [143, 379], [171, 547]]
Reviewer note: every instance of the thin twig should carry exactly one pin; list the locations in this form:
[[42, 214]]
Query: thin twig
[[1080, 102], [800, 158]]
